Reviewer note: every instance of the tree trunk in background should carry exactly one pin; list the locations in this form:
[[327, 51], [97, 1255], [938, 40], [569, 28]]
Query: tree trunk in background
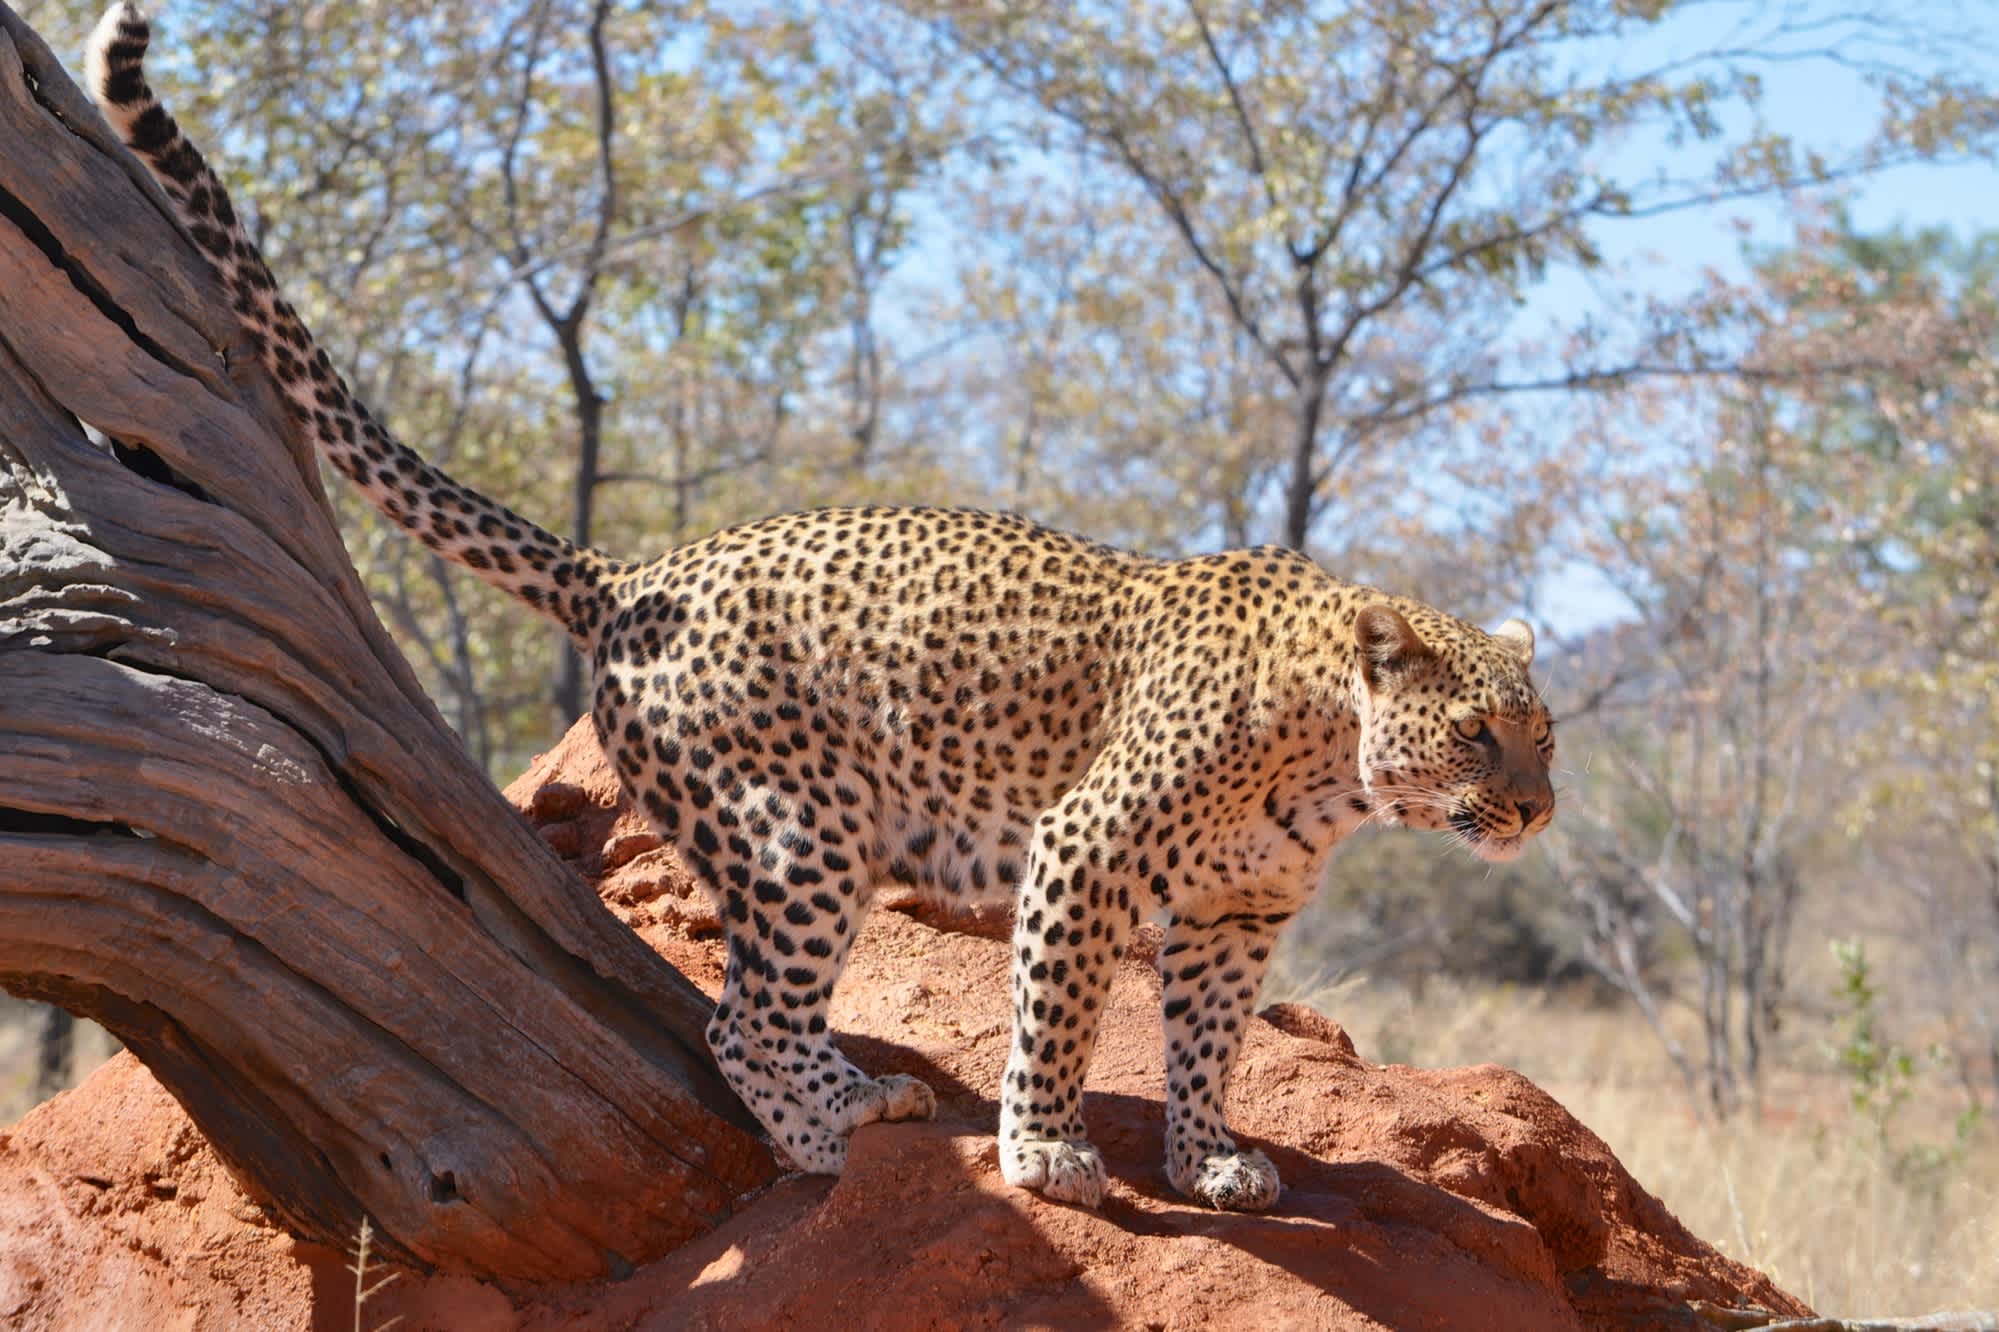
[[1301, 487], [55, 1052], [569, 675], [233, 830]]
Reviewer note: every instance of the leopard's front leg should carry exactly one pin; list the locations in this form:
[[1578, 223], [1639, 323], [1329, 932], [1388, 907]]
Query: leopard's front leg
[[1070, 928], [1211, 971]]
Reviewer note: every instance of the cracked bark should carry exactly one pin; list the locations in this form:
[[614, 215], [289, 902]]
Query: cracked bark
[[234, 831]]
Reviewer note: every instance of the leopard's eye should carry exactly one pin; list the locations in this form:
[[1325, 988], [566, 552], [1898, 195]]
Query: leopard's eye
[[1543, 728], [1471, 728]]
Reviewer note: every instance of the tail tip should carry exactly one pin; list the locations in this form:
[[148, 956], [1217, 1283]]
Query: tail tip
[[113, 63]]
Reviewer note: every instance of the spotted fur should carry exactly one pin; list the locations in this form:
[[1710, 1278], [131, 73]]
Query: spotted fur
[[813, 704]]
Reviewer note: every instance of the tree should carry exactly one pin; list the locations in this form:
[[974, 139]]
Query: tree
[[1714, 744], [566, 315], [1365, 190], [233, 831], [1805, 699], [1901, 464], [703, 301]]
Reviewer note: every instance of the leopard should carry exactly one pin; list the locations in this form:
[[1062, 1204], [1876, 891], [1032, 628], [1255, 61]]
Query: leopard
[[966, 703]]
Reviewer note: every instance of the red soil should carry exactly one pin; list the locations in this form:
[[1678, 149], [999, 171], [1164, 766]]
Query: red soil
[[1458, 1198]]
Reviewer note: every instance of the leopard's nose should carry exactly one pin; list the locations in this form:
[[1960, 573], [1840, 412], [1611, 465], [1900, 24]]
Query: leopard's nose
[[1531, 810]]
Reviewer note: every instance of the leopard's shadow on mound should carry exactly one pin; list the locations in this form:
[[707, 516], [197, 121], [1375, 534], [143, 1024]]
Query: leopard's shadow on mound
[[956, 1100], [1129, 1129], [1343, 1227]]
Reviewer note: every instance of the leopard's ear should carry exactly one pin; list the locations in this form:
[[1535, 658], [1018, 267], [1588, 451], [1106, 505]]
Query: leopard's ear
[[1387, 642], [1518, 636]]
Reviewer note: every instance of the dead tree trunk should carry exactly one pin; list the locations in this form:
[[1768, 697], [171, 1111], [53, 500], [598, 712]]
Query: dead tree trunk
[[234, 831]]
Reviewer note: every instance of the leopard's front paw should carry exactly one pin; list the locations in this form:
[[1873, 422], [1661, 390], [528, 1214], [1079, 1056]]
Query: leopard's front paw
[[1065, 1171], [1233, 1182], [881, 1100], [897, 1096]]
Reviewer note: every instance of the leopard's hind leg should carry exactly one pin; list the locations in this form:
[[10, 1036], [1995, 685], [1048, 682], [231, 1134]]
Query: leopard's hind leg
[[792, 885]]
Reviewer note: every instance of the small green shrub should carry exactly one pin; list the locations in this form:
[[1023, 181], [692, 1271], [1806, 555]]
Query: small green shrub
[[1882, 1076]]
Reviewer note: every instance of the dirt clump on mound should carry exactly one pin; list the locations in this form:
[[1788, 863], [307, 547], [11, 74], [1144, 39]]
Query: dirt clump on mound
[[1456, 1198]]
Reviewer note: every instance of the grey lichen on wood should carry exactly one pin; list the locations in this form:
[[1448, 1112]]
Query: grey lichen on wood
[[232, 828]]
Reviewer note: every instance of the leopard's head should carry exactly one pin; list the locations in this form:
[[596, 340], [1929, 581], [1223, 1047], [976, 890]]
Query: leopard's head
[[1453, 736]]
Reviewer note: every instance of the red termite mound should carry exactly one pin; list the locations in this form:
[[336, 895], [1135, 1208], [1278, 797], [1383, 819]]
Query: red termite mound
[[1459, 1198]]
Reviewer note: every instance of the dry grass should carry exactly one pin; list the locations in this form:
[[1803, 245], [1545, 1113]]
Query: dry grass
[[1824, 1209], [1805, 1190]]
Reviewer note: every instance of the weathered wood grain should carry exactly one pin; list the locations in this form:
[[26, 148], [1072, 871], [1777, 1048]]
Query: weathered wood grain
[[233, 829]]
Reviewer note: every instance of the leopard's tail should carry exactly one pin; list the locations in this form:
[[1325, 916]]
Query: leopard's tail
[[564, 581]]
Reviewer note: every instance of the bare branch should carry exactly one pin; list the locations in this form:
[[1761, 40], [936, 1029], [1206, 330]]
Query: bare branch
[[1257, 164], [607, 189]]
